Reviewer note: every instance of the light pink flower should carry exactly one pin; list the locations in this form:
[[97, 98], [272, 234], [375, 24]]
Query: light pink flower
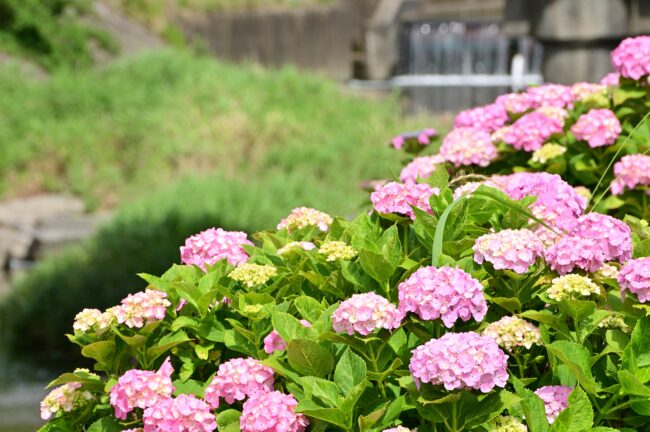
[[631, 171], [575, 252], [515, 103], [212, 245], [184, 413], [396, 197], [468, 146], [489, 117], [551, 95], [614, 236], [632, 57], [532, 130], [421, 137], [363, 313], [511, 331], [63, 398], [635, 278], [142, 308], [271, 412], [420, 168], [599, 127], [556, 400], [302, 217], [237, 379], [611, 79], [274, 342], [582, 90], [509, 249]]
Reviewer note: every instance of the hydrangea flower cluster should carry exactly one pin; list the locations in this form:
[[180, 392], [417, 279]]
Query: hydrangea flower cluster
[[237, 379], [337, 250], [141, 389], [93, 319], [302, 217], [572, 252], [418, 138], [489, 117], [611, 79], [631, 171], [396, 197], [614, 322], [556, 113], [274, 342], [271, 412], [547, 152], [470, 187], [506, 424], [556, 95], [571, 286], [142, 308], [253, 274], [460, 361], [444, 292], [64, 398], [511, 331], [556, 400], [613, 235], [363, 313], [532, 130], [468, 146], [515, 103], [634, 277], [598, 127], [296, 246], [215, 244], [583, 90], [179, 414], [420, 168], [632, 57], [509, 249], [397, 429]]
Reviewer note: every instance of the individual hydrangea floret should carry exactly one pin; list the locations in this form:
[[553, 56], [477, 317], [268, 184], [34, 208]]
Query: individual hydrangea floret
[[237, 379], [420, 168], [302, 217], [417, 138], [611, 79], [253, 274], [614, 321], [184, 413], [274, 342], [632, 57], [506, 424], [511, 331], [63, 399], [555, 398], [489, 117], [337, 250], [547, 152], [468, 146], [613, 235], [509, 249], [583, 90], [141, 389], [631, 171], [460, 361], [571, 286], [271, 412], [556, 95], [598, 127], [215, 244], [634, 277], [363, 313], [397, 197], [93, 319], [532, 130], [296, 246], [445, 292], [142, 308], [515, 103]]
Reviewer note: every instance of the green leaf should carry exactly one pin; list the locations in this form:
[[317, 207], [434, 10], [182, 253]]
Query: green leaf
[[317, 388], [288, 326], [631, 385], [189, 387], [439, 178], [578, 416], [228, 420], [308, 307], [106, 424], [476, 411], [350, 371], [381, 263], [576, 358], [438, 237], [166, 343], [101, 351], [309, 358], [88, 379], [330, 415], [637, 352], [533, 408]]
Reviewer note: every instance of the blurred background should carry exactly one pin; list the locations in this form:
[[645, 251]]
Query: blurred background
[[128, 125]]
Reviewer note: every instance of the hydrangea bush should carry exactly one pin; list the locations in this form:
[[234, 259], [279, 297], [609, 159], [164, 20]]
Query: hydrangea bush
[[454, 304]]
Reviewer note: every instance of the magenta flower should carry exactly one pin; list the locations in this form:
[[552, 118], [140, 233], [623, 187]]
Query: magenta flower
[[142, 308], [556, 95], [237, 379], [271, 412], [613, 235], [363, 313], [184, 413], [635, 278], [212, 245], [556, 400], [420, 168], [274, 342], [575, 252], [468, 146], [489, 117], [532, 130], [599, 127], [141, 389], [631, 171], [460, 361], [632, 57], [445, 292], [396, 197], [509, 249]]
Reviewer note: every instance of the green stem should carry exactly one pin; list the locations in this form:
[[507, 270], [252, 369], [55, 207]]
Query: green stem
[[454, 417], [375, 368]]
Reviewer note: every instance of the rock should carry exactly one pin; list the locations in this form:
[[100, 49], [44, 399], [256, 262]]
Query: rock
[[24, 213]]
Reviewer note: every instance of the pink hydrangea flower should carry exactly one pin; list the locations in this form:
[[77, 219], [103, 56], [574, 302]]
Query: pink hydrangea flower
[[632, 57], [635, 278], [509, 249], [468, 146], [445, 292], [271, 412], [237, 379], [613, 235], [582, 90], [363, 313], [611, 79], [274, 342], [303, 217], [470, 187], [489, 117], [599, 127], [575, 252], [396, 197], [631, 171], [184, 413], [141, 389], [64, 398], [420, 168], [397, 429], [556, 113], [421, 137], [460, 361], [142, 308], [212, 245], [551, 95], [515, 103], [556, 400], [532, 130]]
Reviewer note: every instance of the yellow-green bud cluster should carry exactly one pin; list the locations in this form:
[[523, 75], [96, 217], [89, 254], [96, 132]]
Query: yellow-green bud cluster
[[614, 322], [571, 286], [506, 424], [253, 274], [547, 152], [511, 331], [337, 250]]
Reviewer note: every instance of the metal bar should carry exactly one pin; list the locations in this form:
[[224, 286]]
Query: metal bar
[[477, 80]]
